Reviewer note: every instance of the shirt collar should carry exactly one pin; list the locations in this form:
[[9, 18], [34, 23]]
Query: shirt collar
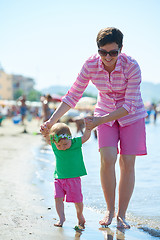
[[100, 64], [118, 64]]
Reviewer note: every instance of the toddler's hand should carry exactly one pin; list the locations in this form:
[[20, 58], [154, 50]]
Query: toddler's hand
[[45, 127], [92, 122]]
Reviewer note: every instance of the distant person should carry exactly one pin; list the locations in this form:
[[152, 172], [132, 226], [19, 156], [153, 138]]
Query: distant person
[[1, 117], [68, 170], [119, 117], [46, 111], [23, 108], [154, 107], [149, 110], [4, 112], [79, 121]]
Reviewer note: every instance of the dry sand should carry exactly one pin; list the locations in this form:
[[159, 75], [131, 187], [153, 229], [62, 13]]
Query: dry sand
[[24, 215], [21, 211]]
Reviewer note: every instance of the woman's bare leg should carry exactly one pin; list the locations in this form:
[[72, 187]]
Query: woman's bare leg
[[108, 181], [60, 210], [126, 186], [79, 209]]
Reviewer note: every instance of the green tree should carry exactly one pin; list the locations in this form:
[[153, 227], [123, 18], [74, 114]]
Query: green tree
[[34, 95], [87, 94], [19, 92]]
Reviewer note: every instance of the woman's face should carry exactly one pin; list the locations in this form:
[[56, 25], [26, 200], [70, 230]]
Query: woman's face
[[110, 61]]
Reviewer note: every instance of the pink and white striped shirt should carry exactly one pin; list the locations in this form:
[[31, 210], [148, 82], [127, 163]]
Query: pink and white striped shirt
[[120, 88]]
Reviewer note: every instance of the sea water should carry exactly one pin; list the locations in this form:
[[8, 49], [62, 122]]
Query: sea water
[[144, 208]]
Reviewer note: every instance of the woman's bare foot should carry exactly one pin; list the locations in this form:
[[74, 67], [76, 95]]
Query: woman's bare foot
[[59, 223], [121, 223], [107, 220]]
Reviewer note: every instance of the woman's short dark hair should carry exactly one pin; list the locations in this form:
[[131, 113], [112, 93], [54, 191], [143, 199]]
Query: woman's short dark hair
[[109, 35]]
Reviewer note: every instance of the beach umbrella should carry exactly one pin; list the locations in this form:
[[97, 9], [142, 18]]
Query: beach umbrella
[[70, 114], [87, 100], [56, 98], [86, 103]]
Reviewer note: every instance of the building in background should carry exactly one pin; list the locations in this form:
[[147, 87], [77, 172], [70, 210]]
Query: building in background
[[24, 83], [11, 83], [6, 87]]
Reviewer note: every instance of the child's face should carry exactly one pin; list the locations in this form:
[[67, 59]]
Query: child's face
[[63, 144]]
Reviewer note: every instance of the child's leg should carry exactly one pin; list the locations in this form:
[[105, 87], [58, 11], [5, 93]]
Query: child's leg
[[79, 209], [60, 210]]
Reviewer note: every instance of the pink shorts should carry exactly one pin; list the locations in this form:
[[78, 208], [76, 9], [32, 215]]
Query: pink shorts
[[132, 138], [69, 187]]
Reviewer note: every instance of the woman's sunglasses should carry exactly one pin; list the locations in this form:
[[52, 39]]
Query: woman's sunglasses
[[112, 53]]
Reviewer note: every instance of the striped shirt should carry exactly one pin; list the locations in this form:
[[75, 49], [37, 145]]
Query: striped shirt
[[120, 88]]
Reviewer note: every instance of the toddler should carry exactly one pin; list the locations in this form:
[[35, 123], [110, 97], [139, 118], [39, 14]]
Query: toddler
[[69, 168]]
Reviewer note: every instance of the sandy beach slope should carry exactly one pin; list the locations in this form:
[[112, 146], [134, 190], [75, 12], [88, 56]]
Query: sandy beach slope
[[24, 214]]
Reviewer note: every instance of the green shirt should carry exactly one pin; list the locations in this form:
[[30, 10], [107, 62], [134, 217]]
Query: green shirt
[[69, 162]]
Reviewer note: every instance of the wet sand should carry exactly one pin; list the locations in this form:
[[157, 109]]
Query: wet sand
[[24, 213]]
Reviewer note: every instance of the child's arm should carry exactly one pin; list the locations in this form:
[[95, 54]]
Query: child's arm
[[86, 134], [47, 139]]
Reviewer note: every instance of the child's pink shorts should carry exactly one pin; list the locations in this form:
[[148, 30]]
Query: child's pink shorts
[[69, 187], [132, 138]]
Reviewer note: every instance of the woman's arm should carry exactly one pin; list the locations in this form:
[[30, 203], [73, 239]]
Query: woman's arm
[[60, 111], [70, 99], [131, 98], [92, 122], [118, 113]]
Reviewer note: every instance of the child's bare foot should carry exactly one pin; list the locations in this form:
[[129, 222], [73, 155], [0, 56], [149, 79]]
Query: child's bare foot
[[121, 223], [59, 223], [107, 220], [81, 222]]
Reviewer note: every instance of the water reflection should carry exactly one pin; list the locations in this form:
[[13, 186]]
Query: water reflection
[[78, 234], [109, 234], [120, 234]]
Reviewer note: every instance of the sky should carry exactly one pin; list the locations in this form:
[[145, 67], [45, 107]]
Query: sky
[[49, 40]]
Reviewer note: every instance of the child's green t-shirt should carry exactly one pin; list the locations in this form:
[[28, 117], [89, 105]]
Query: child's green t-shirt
[[69, 163]]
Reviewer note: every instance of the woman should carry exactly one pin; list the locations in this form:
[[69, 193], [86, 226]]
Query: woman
[[119, 115]]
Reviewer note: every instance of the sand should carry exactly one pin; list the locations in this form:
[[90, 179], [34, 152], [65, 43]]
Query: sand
[[24, 213]]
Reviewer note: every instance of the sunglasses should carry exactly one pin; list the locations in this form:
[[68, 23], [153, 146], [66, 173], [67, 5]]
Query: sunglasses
[[112, 53]]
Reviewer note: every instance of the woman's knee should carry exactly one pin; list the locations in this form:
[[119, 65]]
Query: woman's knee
[[127, 163], [108, 156]]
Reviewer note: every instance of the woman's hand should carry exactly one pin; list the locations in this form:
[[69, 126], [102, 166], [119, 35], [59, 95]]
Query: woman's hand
[[92, 122], [45, 128]]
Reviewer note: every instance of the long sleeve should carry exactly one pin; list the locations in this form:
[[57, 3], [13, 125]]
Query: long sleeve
[[77, 89], [132, 95]]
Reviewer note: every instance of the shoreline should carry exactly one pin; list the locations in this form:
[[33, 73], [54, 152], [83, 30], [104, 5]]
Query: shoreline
[[25, 212], [22, 211]]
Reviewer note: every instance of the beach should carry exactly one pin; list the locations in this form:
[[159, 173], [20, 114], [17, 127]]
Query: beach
[[21, 214], [27, 205]]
